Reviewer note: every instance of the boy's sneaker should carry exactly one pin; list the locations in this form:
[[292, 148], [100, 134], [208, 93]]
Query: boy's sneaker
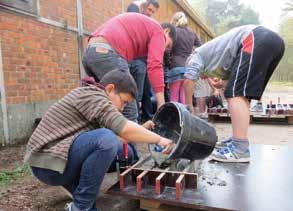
[[68, 206], [223, 144], [71, 207], [229, 154]]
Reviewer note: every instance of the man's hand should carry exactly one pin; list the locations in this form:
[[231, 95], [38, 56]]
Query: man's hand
[[149, 125], [216, 83], [167, 144]]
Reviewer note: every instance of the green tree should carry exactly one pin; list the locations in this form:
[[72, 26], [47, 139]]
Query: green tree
[[288, 8], [285, 68], [224, 15]]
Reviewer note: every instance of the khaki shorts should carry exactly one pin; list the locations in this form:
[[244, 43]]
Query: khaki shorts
[[202, 88]]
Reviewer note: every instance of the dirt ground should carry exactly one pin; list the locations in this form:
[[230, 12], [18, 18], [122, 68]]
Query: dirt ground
[[29, 194]]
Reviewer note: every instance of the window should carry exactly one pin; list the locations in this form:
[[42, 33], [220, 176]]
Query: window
[[29, 6]]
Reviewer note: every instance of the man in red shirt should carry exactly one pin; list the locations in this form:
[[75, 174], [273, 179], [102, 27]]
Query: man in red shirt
[[138, 66], [125, 37]]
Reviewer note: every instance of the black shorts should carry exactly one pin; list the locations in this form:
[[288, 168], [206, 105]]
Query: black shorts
[[256, 60]]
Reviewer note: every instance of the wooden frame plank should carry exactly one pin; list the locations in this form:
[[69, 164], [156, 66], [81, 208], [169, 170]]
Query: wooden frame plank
[[180, 184], [139, 180], [159, 187], [124, 174]]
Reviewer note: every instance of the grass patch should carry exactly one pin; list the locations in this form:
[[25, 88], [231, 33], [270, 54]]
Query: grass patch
[[6, 177]]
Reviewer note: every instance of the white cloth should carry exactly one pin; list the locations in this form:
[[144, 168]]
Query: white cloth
[[202, 88]]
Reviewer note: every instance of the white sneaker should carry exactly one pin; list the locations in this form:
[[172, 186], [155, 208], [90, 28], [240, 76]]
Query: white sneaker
[[68, 206], [230, 155]]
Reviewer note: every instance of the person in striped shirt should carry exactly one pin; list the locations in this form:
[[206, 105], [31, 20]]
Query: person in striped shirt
[[80, 135]]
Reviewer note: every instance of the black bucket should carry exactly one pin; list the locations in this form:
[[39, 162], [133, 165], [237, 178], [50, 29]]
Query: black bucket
[[195, 139]]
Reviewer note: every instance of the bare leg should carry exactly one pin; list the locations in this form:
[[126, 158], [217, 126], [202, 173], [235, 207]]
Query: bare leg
[[182, 93], [236, 150], [201, 104], [239, 110]]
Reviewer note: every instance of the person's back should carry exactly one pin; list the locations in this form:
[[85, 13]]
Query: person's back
[[125, 37], [221, 51], [185, 42], [130, 34]]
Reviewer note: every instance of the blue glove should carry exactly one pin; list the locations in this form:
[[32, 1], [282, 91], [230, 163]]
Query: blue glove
[[158, 148]]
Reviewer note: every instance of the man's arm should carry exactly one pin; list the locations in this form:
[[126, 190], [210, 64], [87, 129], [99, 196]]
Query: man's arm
[[194, 67], [189, 84], [188, 89], [155, 70], [98, 109], [160, 97], [139, 134], [136, 132]]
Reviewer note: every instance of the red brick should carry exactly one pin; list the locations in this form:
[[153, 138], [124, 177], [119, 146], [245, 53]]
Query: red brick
[[28, 55], [40, 61]]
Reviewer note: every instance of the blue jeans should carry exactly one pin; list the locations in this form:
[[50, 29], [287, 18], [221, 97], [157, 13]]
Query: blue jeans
[[90, 156], [174, 74], [137, 69], [100, 58], [147, 104]]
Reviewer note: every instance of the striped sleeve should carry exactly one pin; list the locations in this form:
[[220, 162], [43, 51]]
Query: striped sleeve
[[97, 108]]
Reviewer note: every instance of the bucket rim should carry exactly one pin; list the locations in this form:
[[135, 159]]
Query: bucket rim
[[177, 106]]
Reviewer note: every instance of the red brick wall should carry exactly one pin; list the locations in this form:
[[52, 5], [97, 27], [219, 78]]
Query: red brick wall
[[40, 62], [59, 10], [96, 12], [111, 8]]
